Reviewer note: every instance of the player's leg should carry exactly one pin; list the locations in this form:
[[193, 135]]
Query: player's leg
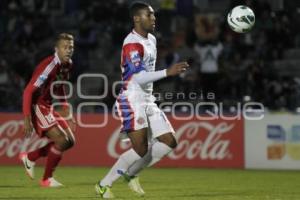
[[33, 156], [63, 140], [160, 148], [163, 131], [134, 124], [165, 141], [139, 149], [40, 125], [47, 123], [129, 111], [41, 152], [165, 144], [30, 158]]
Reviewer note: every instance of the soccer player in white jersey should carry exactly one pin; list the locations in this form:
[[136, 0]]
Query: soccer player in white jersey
[[140, 116]]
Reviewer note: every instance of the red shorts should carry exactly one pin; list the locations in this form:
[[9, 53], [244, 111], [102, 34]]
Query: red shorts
[[44, 118]]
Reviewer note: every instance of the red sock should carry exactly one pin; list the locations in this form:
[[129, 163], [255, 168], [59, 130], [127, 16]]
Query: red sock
[[41, 152], [54, 156]]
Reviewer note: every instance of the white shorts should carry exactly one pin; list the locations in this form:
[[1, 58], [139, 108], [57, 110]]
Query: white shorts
[[136, 114]]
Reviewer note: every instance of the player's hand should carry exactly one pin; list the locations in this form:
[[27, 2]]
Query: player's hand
[[177, 68], [28, 127]]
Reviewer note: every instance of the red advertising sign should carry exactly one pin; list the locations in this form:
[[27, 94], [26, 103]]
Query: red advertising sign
[[216, 143]]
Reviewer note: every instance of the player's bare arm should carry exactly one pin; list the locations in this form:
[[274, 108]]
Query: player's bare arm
[[28, 127]]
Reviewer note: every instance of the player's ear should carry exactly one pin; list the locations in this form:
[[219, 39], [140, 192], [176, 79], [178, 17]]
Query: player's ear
[[136, 18], [55, 48]]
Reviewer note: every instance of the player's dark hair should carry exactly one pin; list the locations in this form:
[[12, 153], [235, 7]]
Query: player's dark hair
[[63, 36], [136, 6]]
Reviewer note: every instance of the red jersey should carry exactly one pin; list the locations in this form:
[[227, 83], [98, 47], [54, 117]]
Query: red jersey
[[38, 89]]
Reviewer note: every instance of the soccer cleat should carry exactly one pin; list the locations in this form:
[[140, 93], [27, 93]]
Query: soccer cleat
[[135, 186], [104, 191], [50, 182], [133, 183], [29, 165]]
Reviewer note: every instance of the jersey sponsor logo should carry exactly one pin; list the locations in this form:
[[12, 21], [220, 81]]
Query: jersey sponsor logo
[[135, 58], [151, 61], [141, 121], [42, 77], [196, 140]]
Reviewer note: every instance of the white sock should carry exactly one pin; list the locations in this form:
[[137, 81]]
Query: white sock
[[123, 163], [157, 151]]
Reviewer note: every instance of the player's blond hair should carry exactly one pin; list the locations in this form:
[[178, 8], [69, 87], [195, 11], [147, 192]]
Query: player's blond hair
[[63, 36]]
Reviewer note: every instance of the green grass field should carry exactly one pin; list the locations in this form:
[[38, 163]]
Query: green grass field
[[175, 184]]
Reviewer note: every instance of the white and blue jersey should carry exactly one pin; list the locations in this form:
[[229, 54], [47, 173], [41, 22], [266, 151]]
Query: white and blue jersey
[[135, 103], [138, 54]]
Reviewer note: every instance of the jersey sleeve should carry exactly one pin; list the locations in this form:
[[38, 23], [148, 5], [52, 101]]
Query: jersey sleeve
[[39, 76], [132, 60], [27, 99], [144, 77]]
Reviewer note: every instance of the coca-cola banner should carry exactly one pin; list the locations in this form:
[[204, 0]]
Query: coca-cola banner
[[273, 142], [205, 143]]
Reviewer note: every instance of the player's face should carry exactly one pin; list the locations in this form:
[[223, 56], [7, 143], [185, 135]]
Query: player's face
[[147, 19], [65, 49]]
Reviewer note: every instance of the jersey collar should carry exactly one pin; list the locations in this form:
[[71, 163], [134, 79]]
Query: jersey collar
[[56, 59], [134, 32]]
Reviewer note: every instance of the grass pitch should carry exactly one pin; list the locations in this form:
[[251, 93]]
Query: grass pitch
[[164, 184]]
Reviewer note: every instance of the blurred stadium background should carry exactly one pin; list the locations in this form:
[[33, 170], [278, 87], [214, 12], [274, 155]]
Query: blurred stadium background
[[260, 66]]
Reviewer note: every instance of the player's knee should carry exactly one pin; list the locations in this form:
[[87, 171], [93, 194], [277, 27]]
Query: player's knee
[[169, 141], [59, 143], [142, 150], [71, 143], [71, 140], [173, 144], [65, 145]]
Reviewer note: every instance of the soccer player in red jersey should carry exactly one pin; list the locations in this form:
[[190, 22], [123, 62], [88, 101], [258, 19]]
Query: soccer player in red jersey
[[39, 114]]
